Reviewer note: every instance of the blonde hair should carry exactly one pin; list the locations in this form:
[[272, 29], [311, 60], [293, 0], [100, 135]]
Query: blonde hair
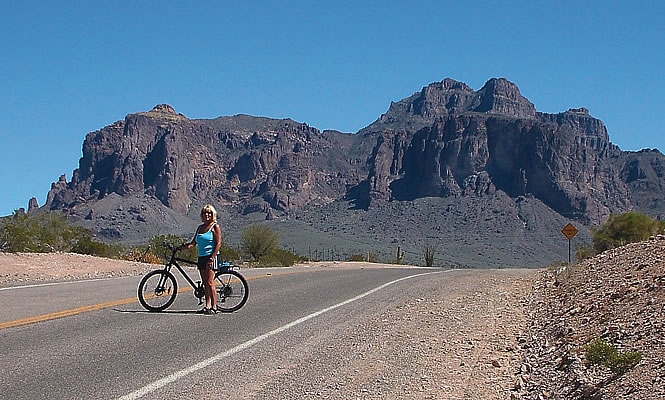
[[210, 208]]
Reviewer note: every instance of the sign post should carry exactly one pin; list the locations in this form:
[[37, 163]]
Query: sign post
[[569, 231]]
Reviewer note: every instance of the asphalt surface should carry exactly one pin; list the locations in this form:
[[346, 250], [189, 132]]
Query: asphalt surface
[[119, 350]]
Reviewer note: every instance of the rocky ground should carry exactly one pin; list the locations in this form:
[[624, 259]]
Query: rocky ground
[[618, 296]]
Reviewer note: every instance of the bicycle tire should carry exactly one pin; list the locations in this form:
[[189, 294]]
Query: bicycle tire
[[157, 290], [232, 289]]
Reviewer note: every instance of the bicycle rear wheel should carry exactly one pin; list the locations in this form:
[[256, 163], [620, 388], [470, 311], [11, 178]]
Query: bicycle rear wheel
[[157, 290], [232, 290]]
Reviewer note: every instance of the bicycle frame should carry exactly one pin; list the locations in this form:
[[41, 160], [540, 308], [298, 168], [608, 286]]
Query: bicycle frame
[[174, 261], [198, 287], [232, 287]]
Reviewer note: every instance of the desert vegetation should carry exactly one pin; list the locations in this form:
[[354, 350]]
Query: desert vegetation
[[601, 352], [260, 244], [620, 230], [369, 257], [47, 232], [429, 251], [50, 232]]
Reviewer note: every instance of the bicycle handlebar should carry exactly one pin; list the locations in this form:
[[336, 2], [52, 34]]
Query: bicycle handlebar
[[175, 249]]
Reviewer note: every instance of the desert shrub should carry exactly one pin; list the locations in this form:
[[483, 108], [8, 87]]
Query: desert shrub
[[39, 233], [280, 258], [584, 252], [142, 254], [357, 257], [87, 245], [227, 253], [158, 248], [623, 229], [603, 353], [429, 250], [46, 232], [259, 240], [369, 257]]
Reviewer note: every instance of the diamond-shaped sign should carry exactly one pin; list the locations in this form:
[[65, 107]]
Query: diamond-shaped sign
[[569, 231]]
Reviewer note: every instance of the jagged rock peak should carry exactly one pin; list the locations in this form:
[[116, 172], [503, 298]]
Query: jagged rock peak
[[163, 113], [497, 96], [581, 110], [501, 96], [445, 97], [33, 204], [450, 97], [165, 108], [449, 84], [502, 86]]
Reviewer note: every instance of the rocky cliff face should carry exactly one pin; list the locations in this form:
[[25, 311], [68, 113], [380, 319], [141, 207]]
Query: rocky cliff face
[[446, 140], [255, 163]]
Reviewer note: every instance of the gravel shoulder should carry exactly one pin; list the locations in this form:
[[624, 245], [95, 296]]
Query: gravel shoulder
[[440, 344]]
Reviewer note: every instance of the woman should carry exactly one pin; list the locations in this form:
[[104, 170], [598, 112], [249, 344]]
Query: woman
[[208, 239]]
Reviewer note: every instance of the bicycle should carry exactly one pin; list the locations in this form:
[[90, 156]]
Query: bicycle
[[158, 289]]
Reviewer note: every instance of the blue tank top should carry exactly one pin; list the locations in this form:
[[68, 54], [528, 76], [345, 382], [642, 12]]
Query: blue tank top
[[205, 242]]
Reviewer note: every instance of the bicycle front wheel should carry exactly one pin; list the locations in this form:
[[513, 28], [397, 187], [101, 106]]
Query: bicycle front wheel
[[232, 290], [157, 290]]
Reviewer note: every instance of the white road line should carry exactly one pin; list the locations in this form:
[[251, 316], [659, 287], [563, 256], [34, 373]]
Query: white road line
[[200, 365]]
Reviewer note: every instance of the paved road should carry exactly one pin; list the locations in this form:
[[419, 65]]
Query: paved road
[[110, 347]]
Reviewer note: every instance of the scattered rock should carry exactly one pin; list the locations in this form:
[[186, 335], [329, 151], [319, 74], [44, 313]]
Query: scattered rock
[[609, 296]]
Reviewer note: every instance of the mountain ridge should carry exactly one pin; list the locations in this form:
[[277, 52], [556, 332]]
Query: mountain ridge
[[444, 141]]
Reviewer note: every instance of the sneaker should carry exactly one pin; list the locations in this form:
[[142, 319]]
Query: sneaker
[[204, 310], [210, 311]]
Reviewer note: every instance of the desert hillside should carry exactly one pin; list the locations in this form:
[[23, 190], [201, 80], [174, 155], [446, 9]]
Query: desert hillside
[[618, 296]]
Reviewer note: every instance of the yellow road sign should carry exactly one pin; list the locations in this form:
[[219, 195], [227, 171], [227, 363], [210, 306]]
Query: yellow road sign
[[569, 231]]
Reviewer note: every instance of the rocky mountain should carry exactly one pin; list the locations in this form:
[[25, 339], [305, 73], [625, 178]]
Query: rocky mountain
[[448, 142], [255, 163]]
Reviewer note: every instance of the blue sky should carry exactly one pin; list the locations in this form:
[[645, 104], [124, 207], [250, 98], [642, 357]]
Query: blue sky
[[69, 68]]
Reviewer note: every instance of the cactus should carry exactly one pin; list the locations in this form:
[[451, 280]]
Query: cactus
[[428, 252], [400, 256]]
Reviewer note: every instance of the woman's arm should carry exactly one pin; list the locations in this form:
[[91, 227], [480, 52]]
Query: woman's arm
[[217, 234]]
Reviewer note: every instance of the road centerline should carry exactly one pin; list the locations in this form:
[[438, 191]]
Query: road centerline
[[100, 306]]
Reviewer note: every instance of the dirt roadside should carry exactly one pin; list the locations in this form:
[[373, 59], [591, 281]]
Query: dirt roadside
[[36, 267]]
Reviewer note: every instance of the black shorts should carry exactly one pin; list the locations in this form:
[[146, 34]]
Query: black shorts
[[202, 262]]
